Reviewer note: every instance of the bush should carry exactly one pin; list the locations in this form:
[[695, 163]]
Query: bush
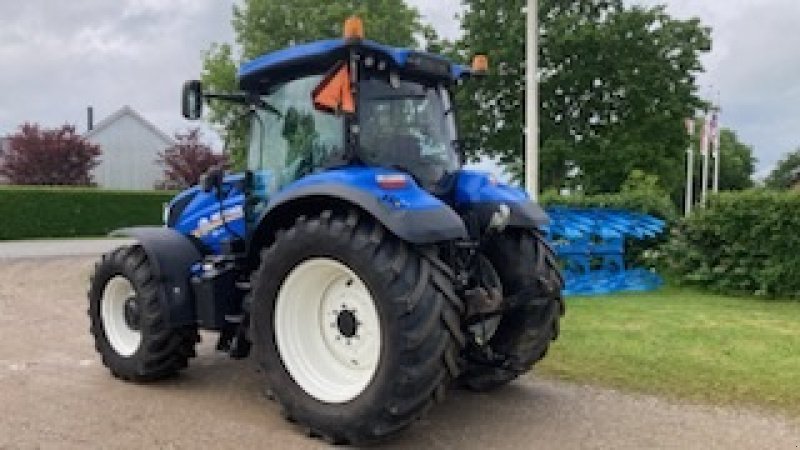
[[641, 192], [744, 242], [58, 157], [187, 160], [637, 201], [41, 212]]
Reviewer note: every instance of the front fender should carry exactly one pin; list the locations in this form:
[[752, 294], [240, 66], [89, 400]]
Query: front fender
[[480, 192], [171, 256], [410, 212]]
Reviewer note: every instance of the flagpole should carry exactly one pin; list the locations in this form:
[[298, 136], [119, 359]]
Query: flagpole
[[531, 101], [717, 151], [704, 143], [689, 169], [716, 168]]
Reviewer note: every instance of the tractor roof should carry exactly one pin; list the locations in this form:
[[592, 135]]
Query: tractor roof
[[320, 56]]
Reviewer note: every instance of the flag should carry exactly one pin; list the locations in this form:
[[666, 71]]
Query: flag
[[714, 136], [705, 137]]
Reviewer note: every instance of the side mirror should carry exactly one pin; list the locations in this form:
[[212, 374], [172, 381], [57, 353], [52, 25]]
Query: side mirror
[[192, 100], [212, 179]]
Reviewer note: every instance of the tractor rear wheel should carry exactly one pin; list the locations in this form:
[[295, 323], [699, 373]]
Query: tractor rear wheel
[[128, 320], [532, 285], [357, 332]]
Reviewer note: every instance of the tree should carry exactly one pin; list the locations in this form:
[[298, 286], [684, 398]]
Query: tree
[[782, 176], [57, 156], [737, 164], [615, 85], [263, 26], [187, 160]]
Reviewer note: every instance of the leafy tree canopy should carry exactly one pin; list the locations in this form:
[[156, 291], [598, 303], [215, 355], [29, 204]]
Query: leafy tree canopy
[[784, 174], [737, 163], [616, 83], [59, 157], [187, 160]]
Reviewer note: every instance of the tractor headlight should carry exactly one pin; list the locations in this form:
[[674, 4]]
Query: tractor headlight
[[500, 218]]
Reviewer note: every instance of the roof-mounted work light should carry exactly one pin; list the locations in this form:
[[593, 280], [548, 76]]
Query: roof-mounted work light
[[354, 28]]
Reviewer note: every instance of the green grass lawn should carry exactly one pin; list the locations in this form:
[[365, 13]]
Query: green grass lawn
[[683, 344]]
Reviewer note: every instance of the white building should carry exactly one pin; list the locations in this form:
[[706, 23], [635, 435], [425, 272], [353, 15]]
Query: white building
[[130, 146], [4, 146]]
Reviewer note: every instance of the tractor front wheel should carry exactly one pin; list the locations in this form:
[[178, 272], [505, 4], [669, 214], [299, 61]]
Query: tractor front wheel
[[129, 323], [532, 287], [357, 332]]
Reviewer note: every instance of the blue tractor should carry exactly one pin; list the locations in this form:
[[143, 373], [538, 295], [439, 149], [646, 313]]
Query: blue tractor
[[362, 267]]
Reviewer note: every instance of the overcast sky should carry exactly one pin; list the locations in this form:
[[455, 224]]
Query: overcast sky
[[58, 57]]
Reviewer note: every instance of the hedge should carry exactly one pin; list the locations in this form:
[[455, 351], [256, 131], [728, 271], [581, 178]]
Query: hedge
[[745, 242], [60, 212], [640, 201]]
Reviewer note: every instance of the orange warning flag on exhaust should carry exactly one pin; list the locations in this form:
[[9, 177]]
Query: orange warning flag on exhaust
[[333, 94]]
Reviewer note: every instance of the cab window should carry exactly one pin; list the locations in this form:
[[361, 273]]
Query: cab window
[[287, 146]]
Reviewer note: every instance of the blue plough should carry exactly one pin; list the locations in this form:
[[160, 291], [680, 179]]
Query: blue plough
[[590, 244]]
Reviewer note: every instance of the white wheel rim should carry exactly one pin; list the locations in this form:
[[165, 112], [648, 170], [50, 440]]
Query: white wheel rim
[[123, 339], [328, 358]]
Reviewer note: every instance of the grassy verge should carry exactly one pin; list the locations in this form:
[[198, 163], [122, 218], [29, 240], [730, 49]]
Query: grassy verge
[[684, 344]]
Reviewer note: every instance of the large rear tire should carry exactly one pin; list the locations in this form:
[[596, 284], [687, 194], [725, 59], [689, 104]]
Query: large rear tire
[[532, 284], [357, 332], [129, 322]]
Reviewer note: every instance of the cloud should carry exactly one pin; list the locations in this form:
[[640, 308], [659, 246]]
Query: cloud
[[58, 57], [753, 69], [442, 15]]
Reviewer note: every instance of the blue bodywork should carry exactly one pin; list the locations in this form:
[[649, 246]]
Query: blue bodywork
[[314, 52], [201, 215], [409, 211], [365, 179], [475, 187]]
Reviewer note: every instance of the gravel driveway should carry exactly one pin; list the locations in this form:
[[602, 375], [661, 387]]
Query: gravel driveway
[[54, 393]]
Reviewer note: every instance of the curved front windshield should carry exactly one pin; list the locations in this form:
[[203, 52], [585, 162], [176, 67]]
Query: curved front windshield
[[409, 126]]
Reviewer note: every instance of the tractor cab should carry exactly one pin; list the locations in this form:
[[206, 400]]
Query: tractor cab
[[347, 102]]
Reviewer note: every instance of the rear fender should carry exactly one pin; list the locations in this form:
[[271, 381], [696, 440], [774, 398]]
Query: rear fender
[[410, 212], [171, 256]]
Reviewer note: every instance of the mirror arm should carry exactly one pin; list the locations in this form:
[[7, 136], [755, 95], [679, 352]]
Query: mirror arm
[[244, 98], [239, 97]]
